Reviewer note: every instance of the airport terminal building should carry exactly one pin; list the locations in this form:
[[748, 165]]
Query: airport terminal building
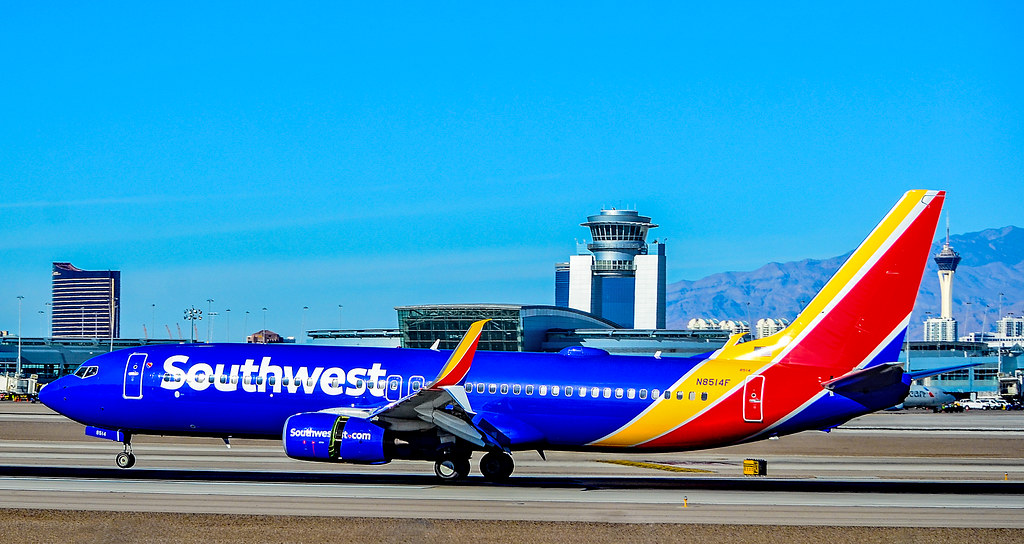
[[516, 327]]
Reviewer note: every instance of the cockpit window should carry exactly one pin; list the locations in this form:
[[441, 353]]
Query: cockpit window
[[87, 371]]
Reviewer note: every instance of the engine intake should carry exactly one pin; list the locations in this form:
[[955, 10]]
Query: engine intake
[[318, 436]]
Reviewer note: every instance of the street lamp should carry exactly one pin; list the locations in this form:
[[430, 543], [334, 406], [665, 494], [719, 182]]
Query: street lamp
[[209, 324], [246, 323], [17, 368], [227, 314], [191, 315], [264, 325], [41, 315], [339, 317], [303, 329], [212, 315]]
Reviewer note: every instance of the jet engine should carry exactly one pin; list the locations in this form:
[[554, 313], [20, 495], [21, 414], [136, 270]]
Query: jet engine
[[318, 436]]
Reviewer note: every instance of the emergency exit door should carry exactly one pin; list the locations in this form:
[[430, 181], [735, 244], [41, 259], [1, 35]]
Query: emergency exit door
[[753, 393]]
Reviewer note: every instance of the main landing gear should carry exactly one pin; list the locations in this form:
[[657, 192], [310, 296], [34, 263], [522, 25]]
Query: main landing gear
[[451, 467], [125, 459], [496, 466]]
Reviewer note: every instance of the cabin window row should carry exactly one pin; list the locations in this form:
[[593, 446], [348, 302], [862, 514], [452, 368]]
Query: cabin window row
[[581, 391]]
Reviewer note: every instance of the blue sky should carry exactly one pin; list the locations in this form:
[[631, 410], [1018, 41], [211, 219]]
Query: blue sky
[[383, 154]]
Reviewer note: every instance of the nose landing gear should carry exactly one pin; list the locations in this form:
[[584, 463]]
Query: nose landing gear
[[125, 459]]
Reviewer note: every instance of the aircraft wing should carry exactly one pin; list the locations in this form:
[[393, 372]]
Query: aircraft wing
[[443, 403]]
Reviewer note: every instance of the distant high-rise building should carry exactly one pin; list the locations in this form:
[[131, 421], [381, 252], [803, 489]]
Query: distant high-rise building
[[85, 302], [1010, 327], [944, 327], [620, 277], [769, 326]]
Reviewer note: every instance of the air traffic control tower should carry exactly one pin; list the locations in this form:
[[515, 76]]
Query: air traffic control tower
[[622, 278]]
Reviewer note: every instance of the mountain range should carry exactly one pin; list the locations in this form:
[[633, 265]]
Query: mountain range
[[992, 263]]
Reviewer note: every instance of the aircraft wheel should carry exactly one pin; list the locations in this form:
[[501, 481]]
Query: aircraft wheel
[[125, 460], [450, 468], [497, 466]]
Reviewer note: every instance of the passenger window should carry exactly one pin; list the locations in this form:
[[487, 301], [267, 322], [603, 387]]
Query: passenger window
[[234, 378], [668, 394], [655, 393], [529, 389], [492, 389], [272, 380], [631, 393], [504, 389], [618, 392], [479, 388], [516, 389], [394, 384], [679, 395], [467, 385], [334, 381], [568, 390], [554, 390], [643, 394], [542, 390], [704, 396], [259, 380], [310, 382], [223, 378], [692, 395], [595, 392]]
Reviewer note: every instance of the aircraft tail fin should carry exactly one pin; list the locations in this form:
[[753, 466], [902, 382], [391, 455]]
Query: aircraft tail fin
[[860, 316]]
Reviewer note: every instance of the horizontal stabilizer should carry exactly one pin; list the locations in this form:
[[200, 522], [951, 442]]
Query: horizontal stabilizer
[[866, 380]]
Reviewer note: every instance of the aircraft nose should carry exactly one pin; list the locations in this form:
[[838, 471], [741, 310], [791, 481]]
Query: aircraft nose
[[52, 393]]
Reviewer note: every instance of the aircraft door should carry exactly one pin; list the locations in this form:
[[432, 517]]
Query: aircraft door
[[133, 375], [393, 388], [415, 384], [753, 393]]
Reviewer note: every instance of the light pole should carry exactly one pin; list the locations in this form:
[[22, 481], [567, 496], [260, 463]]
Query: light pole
[[50, 329], [191, 315], [264, 325], [227, 314], [17, 368], [246, 323], [212, 315], [209, 324], [339, 317], [41, 315], [153, 323], [303, 329]]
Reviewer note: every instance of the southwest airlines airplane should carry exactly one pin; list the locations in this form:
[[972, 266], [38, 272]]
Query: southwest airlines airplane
[[372, 405]]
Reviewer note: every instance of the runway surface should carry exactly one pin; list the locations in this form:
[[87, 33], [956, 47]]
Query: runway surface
[[898, 469]]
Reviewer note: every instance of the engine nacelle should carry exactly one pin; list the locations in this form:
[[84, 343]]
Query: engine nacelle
[[318, 436]]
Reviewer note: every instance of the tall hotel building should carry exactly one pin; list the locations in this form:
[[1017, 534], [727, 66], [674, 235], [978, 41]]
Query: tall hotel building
[[622, 278], [85, 302]]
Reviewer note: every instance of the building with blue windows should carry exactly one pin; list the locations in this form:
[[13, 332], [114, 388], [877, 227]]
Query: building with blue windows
[[85, 302]]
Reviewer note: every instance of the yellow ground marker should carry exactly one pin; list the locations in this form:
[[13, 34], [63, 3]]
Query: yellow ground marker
[[656, 466]]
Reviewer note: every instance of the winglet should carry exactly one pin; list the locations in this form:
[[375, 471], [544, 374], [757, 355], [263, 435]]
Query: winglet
[[461, 359]]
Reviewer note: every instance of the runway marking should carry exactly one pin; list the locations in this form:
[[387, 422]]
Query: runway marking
[[655, 466]]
